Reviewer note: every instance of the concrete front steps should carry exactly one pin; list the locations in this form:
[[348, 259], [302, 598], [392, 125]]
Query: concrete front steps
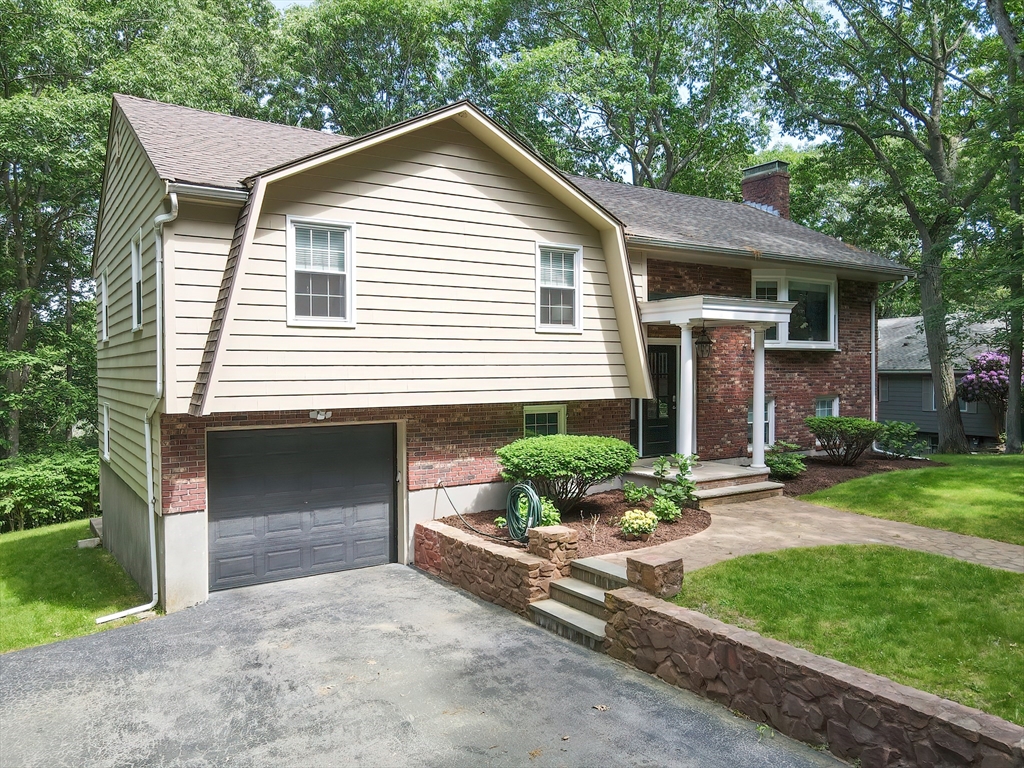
[[718, 482], [576, 609]]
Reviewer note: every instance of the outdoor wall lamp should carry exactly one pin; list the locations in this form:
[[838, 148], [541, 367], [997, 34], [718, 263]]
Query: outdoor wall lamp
[[702, 343]]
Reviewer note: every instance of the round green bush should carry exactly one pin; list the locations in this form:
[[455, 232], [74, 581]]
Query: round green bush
[[844, 438], [564, 467]]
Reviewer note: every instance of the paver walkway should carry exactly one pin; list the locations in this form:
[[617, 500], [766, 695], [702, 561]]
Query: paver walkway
[[780, 523]]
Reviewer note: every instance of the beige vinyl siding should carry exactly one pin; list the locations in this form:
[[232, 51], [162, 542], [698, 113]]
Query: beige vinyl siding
[[638, 269], [196, 248], [126, 363], [446, 252]]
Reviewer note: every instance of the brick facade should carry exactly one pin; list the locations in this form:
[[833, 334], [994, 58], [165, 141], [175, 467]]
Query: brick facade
[[794, 379], [452, 443], [769, 189]]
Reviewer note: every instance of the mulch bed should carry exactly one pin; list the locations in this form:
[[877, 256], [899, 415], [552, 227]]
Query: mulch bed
[[821, 473], [608, 507]]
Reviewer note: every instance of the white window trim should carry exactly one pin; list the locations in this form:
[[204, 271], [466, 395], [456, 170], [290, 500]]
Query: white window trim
[[551, 408], [106, 431], [578, 274], [769, 405], [349, 321], [137, 284], [782, 278], [835, 403], [104, 308]]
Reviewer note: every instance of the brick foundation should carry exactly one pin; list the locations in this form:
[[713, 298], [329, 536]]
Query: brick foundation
[[454, 444], [858, 715], [794, 379]]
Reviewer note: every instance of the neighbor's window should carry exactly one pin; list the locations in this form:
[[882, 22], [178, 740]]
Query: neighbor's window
[[137, 281], [826, 406], [768, 290], [321, 273], [104, 303], [558, 280], [883, 389], [812, 322], [930, 400], [543, 420]]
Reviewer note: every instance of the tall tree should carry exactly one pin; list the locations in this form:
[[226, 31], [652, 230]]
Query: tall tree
[[662, 90], [59, 62], [895, 80]]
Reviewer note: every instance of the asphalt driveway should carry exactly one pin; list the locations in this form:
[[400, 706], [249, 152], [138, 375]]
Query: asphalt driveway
[[376, 667]]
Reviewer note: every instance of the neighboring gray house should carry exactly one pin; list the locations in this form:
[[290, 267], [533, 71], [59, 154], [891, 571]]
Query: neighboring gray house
[[905, 389]]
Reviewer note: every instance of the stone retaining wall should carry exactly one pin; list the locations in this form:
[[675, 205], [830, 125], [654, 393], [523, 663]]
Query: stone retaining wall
[[509, 577], [860, 716]]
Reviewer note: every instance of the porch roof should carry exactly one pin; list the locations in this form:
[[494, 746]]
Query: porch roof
[[712, 311]]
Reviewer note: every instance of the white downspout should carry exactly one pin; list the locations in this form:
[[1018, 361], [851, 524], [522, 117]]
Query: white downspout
[[158, 250]]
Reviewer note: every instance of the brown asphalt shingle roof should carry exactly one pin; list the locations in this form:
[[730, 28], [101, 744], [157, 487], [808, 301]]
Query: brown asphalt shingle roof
[[195, 147], [207, 148]]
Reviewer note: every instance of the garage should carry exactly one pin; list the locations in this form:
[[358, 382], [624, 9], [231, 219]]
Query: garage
[[291, 502]]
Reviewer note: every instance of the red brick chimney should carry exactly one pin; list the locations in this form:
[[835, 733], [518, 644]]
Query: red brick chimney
[[766, 186]]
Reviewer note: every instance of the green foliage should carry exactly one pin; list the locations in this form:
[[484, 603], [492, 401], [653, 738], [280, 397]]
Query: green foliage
[[679, 489], [935, 623], [638, 522], [41, 490], [899, 438], [549, 514], [665, 509], [564, 467], [634, 494], [784, 461], [844, 438]]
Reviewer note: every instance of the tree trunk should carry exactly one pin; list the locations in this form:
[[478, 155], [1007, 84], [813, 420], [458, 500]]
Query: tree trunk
[[952, 438], [1016, 282]]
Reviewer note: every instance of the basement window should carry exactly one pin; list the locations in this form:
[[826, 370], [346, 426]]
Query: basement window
[[543, 420], [826, 406], [320, 273]]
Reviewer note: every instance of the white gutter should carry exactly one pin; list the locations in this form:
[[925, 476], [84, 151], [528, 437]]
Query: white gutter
[[158, 247], [204, 192], [874, 345]]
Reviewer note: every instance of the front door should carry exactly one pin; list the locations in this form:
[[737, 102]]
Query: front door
[[659, 416]]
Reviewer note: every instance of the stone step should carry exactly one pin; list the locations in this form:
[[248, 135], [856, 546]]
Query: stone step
[[736, 494], [569, 623], [713, 474], [580, 595], [96, 526], [600, 573]]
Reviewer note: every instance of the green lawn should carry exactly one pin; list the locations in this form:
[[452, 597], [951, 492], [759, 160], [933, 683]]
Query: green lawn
[[977, 495], [941, 625], [51, 590]]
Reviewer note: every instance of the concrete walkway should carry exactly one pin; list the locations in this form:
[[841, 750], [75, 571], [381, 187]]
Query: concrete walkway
[[377, 667], [780, 523]]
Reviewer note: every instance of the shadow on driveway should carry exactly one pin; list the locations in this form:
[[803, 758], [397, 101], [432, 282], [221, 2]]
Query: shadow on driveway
[[378, 667]]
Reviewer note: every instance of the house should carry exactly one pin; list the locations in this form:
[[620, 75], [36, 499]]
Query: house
[[905, 388], [302, 336]]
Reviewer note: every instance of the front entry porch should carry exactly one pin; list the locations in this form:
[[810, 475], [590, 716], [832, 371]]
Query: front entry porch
[[675, 383], [727, 481]]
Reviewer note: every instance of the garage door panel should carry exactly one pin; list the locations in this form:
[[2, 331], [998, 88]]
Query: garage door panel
[[292, 502]]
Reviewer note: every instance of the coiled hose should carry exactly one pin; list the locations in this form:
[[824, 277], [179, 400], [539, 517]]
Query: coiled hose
[[517, 525]]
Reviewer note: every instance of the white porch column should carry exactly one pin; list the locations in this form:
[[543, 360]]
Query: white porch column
[[757, 459], [684, 404]]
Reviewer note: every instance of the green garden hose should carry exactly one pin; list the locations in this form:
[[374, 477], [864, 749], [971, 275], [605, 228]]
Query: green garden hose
[[517, 525]]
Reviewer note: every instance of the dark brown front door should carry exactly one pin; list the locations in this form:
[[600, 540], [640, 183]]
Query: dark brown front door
[[659, 427]]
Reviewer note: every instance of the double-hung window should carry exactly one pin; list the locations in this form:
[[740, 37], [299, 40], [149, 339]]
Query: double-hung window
[[320, 273], [826, 406], [769, 422], [137, 281], [558, 288], [813, 321], [104, 308], [543, 420], [106, 431]]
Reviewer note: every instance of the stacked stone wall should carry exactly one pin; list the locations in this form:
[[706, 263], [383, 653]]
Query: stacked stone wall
[[859, 716]]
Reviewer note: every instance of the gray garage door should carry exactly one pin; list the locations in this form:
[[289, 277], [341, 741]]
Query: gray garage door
[[293, 502]]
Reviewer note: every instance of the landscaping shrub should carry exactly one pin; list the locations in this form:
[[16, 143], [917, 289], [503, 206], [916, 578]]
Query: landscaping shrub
[[638, 522], [844, 438], [680, 490], [564, 467], [548, 513], [665, 509], [784, 463], [634, 494], [41, 490], [899, 438]]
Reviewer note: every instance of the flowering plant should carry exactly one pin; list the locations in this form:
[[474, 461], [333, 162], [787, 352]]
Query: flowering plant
[[988, 381], [637, 522]]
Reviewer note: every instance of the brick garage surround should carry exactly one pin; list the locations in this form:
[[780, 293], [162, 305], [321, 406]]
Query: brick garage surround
[[794, 379], [860, 716], [451, 443]]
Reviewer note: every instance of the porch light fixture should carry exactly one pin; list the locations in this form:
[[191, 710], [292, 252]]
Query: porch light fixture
[[702, 343]]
